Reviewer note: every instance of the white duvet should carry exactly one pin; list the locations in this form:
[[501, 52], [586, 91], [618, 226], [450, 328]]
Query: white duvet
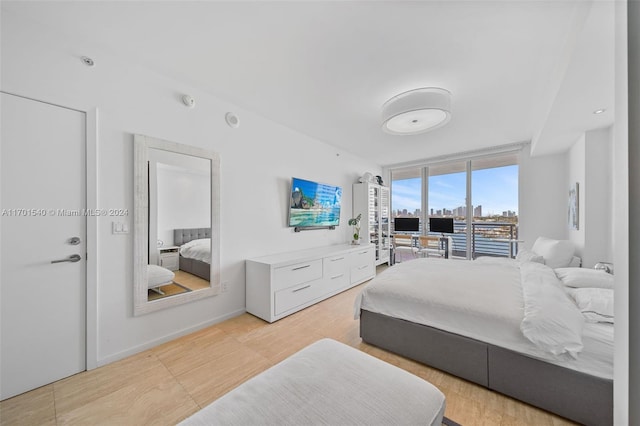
[[485, 301], [197, 249]]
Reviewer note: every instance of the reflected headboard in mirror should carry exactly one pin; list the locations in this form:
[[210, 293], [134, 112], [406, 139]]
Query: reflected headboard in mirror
[[194, 258], [176, 199]]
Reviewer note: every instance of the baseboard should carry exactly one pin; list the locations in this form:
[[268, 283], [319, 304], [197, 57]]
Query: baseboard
[[153, 343]]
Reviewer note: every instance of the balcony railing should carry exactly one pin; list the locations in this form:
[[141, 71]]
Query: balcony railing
[[487, 239]]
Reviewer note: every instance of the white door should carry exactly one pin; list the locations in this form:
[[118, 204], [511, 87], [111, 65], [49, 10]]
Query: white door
[[42, 303]]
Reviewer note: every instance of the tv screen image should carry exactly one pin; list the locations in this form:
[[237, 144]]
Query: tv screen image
[[444, 225], [314, 204], [406, 224]]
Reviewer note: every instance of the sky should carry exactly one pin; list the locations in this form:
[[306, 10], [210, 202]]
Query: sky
[[495, 189]]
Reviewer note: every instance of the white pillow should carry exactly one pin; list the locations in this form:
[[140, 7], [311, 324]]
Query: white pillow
[[584, 277], [556, 253], [596, 304], [525, 255]]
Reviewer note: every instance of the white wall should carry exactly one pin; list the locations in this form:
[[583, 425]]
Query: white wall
[[589, 164], [597, 192], [542, 197], [257, 161], [184, 201]]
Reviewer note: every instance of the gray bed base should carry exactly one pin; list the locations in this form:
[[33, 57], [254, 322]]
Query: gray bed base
[[577, 396], [192, 266]]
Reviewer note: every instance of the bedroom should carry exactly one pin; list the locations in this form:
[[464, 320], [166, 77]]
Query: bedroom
[[41, 52]]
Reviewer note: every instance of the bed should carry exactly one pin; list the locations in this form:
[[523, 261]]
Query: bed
[[492, 323], [195, 251]]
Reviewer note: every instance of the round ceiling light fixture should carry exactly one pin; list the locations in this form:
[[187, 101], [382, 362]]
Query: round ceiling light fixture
[[416, 111]]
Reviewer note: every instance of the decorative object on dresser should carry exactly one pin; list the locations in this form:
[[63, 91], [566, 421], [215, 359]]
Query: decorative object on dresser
[[355, 222], [281, 284], [372, 202]]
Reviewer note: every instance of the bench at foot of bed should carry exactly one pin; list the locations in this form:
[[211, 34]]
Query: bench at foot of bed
[[328, 383]]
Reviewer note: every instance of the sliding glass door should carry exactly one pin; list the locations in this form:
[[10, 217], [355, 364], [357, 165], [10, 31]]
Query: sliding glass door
[[480, 195]]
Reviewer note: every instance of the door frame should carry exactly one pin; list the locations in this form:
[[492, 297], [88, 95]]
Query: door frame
[[91, 201]]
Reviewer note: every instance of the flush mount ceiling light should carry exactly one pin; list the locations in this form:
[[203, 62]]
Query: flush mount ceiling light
[[416, 111]]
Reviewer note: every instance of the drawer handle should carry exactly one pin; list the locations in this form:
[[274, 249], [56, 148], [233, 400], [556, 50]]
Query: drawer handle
[[335, 260], [301, 288], [301, 267], [364, 252], [337, 276], [363, 267]]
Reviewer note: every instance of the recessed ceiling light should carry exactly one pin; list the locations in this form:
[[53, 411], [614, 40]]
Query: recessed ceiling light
[[599, 111]]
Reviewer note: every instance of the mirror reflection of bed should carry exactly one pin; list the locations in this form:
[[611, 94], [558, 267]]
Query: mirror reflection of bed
[[186, 264]]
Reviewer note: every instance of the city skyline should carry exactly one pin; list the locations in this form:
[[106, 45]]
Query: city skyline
[[495, 190]]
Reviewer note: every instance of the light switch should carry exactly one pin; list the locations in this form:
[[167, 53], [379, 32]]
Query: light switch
[[119, 228]]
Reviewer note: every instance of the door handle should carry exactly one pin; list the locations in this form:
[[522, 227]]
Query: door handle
[[74, 241], [73, 258]]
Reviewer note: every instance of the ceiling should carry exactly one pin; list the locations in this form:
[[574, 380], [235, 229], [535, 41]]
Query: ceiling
[[518, 70]]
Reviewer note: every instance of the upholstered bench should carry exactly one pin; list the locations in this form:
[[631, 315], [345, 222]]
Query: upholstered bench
[[328, 383], [159, 276]]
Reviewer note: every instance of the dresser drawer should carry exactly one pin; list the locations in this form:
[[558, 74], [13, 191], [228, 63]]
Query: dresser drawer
[[362, 273], [336, 272], [362, 265], [299, 273], [290, 298], [360, 257]]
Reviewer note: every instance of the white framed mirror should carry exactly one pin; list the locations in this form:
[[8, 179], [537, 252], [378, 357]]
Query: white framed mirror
[[176, 224]]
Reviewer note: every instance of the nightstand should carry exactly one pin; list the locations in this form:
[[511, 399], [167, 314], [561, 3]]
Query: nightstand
[[169, 257]]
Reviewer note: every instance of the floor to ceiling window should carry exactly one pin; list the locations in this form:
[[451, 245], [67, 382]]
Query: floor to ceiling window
[[447, 198], [480, 194], [406, 195], [494, 188]]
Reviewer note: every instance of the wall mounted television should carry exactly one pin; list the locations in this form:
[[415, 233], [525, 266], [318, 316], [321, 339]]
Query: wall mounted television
[[444, 225], [406, 224], [314, 205]]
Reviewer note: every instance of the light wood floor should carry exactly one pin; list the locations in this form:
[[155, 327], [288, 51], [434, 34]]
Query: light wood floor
[[164, 385]]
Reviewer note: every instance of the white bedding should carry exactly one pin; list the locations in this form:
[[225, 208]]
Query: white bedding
[[197, 249], [488, 305]]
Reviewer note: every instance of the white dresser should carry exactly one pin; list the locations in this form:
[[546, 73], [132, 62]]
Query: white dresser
[[281, 284]]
